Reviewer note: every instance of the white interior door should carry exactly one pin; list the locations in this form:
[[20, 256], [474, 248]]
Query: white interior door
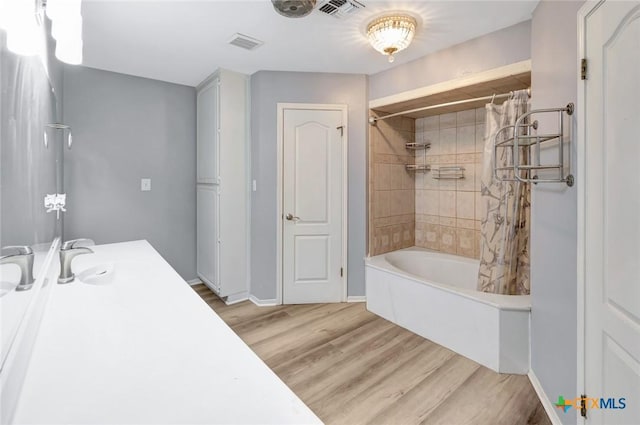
[[612, 213], [312, 206]]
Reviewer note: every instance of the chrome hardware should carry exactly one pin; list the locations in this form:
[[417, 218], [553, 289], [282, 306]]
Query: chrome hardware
[[68, 252], [449, 173], [519, 139], [291, 217], [417, 167], [23, 258]]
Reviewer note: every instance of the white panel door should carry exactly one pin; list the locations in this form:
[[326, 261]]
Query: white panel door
[[612, 213], [208, 238], [312, 206], [208, 128]]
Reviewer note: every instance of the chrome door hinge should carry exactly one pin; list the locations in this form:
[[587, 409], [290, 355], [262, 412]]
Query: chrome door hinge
[[583, 69], [341, 271], [341, 128], [583, 403]]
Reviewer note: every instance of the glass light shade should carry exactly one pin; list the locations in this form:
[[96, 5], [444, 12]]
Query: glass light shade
[[391, 34]]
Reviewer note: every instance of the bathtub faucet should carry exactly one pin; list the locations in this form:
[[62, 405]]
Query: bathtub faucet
[[68, 252]]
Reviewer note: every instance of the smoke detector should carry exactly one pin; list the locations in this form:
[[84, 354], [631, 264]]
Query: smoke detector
[[340, 9], [294, 8]]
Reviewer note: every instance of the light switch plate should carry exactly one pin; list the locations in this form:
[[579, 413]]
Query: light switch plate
[[254, 186], [145, 185]]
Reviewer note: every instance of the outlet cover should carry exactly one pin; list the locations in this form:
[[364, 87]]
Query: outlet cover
[[145, 185]]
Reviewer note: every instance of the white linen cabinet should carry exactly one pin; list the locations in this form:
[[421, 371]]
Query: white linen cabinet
[[222, 184]]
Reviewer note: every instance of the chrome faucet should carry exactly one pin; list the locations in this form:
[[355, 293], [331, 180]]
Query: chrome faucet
[[69, 251], [23, 258]]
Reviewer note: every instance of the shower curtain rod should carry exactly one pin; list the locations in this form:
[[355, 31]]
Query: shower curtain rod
[[373, 120]]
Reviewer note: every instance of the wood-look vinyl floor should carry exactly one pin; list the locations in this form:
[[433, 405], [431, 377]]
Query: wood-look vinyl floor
[[353, 367]]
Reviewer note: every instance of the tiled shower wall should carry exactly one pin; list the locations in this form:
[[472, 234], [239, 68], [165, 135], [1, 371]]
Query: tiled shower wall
[[391, 187], [447, 212]]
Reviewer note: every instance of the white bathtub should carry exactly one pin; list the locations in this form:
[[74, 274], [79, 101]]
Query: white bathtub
[[433, 294]]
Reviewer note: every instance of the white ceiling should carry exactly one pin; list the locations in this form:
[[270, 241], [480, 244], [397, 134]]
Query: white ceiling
[[184, 41]]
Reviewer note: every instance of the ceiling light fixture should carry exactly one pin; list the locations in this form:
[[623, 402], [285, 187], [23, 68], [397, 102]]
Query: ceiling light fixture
[[391, 33]]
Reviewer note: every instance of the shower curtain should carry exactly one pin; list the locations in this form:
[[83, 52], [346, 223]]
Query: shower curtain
[[504, 227]]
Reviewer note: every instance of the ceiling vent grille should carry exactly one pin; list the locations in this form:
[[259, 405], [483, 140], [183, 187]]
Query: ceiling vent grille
[[340, 9], [245, 42]]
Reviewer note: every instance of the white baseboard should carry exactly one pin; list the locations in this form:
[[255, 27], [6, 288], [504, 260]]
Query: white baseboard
[[236, 298], [263, 303], [356, 299], [548, 405], [194, 282]]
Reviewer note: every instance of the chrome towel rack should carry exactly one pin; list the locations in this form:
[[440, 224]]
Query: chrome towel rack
[[523, 139]]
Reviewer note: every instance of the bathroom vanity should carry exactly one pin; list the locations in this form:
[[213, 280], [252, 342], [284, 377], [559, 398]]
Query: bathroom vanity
[[129, 342]]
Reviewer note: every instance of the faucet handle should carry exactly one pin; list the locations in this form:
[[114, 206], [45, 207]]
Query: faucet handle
[[20, 250], [72, 243]]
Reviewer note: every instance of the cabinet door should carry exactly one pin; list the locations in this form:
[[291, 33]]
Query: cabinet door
[[208, 125], [208, 237]]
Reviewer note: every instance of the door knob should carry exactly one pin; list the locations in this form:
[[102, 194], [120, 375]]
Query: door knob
[[291, 217]]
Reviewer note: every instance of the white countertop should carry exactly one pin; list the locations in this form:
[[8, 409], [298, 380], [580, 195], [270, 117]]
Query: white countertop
[[146, 349]]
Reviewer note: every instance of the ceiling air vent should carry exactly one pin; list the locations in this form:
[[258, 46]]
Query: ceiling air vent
[[245, 42], [340, 9]]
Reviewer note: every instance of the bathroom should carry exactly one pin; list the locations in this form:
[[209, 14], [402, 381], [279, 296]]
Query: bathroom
[[209, 277]]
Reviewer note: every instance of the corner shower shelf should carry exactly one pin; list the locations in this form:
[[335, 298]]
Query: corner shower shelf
[[519, 140]]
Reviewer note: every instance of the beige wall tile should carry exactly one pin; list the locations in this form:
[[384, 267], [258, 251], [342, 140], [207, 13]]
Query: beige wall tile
[[462, 223], [432, 123], [466, 242], [433, 137], [476, 248], [448, 141], [447, 205], [480, 138], [478, 169], [466, 139], [431, 239], [481, 115], [479, 207], [465, 205], [395, 176], [431, 202], [447, 120], [448, 240], [467, 117], [467, 184], [448, 221]]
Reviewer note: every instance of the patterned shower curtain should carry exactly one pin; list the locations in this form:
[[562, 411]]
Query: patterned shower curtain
[[504, 231]]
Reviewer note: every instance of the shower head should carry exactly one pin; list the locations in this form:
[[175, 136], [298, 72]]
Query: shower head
[[294, 8]]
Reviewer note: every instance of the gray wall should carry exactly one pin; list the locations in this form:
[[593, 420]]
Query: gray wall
[[554, 211], [499, 48], [267, 89], [127, 128]]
